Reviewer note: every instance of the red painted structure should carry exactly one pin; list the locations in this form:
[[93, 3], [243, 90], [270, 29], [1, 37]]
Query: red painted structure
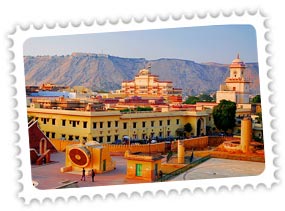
[[40, 145]]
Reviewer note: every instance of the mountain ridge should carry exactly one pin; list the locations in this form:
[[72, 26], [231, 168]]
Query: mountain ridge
[[106, 72]]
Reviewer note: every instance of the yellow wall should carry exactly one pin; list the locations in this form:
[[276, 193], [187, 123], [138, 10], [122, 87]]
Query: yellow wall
[[51, 123], [147, 169], [61, 145], [95, 161]]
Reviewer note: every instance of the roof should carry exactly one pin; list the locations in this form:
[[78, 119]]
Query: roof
[[237, 62]]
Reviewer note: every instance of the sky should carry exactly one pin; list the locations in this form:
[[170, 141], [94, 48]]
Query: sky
[[219, 44]]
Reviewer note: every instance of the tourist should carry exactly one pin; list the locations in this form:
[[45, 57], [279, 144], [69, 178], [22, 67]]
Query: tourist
[[160, 175], [93, 175], [83, 175]]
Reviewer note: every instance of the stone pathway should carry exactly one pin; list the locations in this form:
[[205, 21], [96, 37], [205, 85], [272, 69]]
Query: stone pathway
[[221, 168]]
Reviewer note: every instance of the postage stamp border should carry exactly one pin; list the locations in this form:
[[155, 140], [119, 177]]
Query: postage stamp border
[[20, 34]]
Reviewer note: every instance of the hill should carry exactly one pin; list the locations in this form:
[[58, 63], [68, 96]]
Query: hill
[[105, 72]]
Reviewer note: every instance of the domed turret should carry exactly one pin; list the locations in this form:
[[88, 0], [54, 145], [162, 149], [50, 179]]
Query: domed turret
[[144, 72], [237, 62]]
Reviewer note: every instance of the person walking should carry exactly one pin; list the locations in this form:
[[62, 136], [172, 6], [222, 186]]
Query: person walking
[[83, 175], [93, 175], [160, 175]]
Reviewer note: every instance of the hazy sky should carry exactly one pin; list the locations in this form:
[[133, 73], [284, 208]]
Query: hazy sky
[[200, 44]]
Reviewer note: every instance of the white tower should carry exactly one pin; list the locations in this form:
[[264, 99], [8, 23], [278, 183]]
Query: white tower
[[236, 86]]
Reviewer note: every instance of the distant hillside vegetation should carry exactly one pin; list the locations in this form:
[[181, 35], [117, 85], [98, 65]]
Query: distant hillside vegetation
[[105, 72]]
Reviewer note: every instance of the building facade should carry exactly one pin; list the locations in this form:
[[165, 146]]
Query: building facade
[[148, 85], [236, 87], [109, 126]]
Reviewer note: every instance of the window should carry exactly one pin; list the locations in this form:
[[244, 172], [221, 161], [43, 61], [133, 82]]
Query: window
[[139, 169], [109, 124], [116, 123], [47, 134], [177, 121], [116, 137], [134, 125], [94, 138], [84, 138], [152, 123], [52, 135], [73, 123], [108, 138], [84, 124], [125, 125], [76, 138], [63, 136], [160, 122], [94, 125], [143, 124], [63, 122], [101, 124], [168, 122], [70, 137], [101, 139], [53, 121], [44, 120]]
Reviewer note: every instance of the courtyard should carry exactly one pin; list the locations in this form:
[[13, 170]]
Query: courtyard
[[48, 176]]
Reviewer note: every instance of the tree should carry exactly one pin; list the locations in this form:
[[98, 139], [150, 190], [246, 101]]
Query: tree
[[191, 100], [188, 127], [199, 98], [205, 98], [256, 99], [224, 115], [259, 118]]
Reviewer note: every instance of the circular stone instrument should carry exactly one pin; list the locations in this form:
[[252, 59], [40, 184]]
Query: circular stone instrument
[[80, 156]]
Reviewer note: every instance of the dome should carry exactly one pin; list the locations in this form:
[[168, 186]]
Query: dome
[[237, 62], [144, 72]]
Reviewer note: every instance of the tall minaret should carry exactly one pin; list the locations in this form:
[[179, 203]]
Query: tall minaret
[[236, 86]]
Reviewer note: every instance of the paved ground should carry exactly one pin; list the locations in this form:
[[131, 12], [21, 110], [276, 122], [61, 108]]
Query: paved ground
[[221, 168], [49, 176]]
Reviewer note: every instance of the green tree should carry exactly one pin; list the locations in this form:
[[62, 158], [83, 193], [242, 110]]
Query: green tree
[[205, 98], [191, 100], [259, 118], [256, 99], [224, 115], [144, 108], [188, 127]]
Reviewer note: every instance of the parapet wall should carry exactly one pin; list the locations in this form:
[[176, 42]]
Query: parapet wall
[[144, 148], [114, 148], [199, 143], [215, 141], [60, 145], [203, 142]]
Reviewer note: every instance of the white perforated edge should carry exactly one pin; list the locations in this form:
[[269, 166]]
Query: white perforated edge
[[21, 33]]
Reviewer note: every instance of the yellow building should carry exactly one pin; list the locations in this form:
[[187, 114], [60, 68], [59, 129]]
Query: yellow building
[[143, 166], [108, 126], [89, 155]]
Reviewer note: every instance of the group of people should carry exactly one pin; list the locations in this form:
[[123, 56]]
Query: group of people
[[83, 177]]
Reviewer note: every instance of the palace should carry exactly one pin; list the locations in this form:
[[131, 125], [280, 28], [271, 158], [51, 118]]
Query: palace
[[146, 85], [64, 119]]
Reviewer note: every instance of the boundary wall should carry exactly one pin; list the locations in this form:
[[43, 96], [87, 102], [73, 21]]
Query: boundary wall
[[198, 143]]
